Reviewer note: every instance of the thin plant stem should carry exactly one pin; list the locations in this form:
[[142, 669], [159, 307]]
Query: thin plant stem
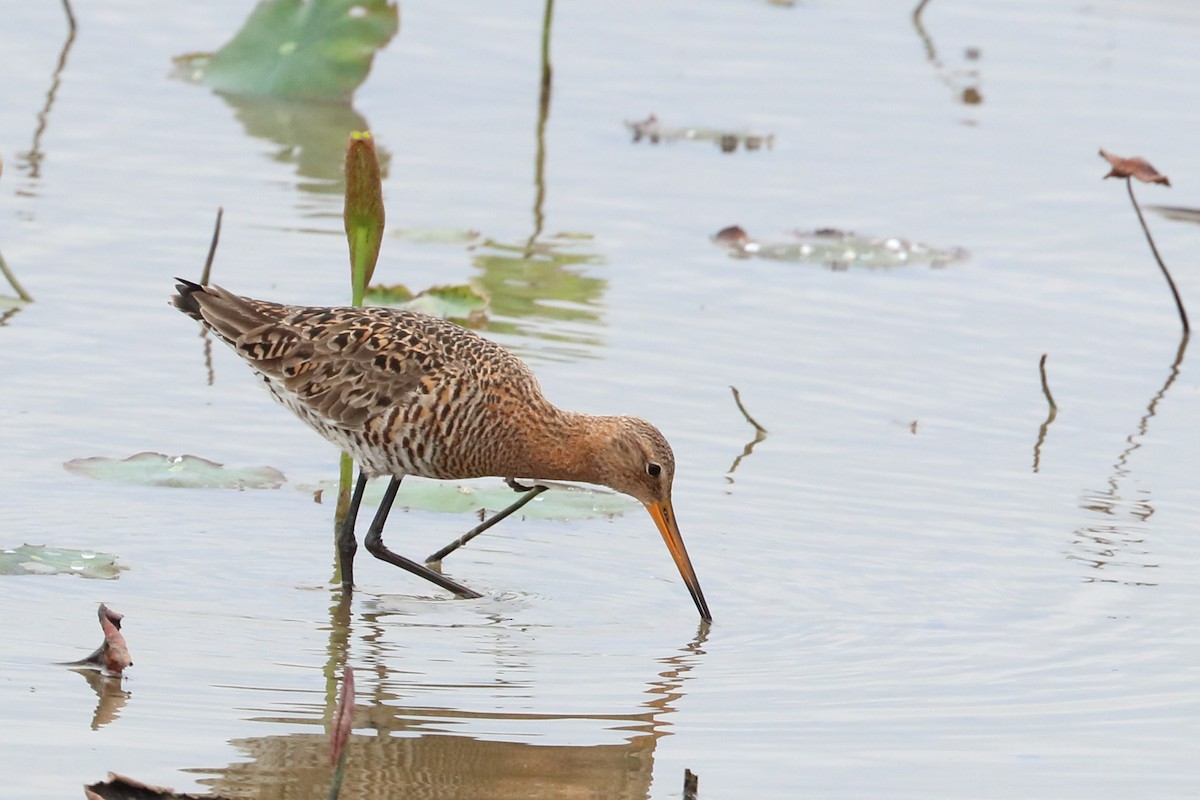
[[737, 398], [1153, 249], [212, 248], [1046, 388], [12, 279], [70, 16], [760, 433], [1053, 412]]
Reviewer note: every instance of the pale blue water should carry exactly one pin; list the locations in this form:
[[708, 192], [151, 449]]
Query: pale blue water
[[899, 611]]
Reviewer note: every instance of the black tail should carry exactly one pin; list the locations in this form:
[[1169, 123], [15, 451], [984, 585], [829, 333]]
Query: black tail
[[185, 300], [224, 313]]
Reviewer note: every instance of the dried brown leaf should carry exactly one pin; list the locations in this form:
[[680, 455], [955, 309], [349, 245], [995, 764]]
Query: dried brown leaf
[[733, 236], [1135, 167], [112, 655], [114, 652]]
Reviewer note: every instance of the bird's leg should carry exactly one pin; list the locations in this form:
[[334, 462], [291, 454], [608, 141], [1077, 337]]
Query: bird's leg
[[376, 547], [530, 492], [346, 545]]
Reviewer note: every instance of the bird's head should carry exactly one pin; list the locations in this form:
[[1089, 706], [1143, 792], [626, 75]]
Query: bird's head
[[638, 461]]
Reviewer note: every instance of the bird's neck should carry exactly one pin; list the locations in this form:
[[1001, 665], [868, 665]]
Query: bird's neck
[[566, 446]]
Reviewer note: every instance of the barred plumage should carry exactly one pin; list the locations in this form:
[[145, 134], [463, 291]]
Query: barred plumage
[[409, 394]]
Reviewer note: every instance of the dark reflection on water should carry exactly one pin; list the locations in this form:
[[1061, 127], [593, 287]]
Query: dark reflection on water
[[111, 696], [541, 278], [30, 161], [6, 314], [963, 82], [404, 759], [1119, 541], [541, 281]]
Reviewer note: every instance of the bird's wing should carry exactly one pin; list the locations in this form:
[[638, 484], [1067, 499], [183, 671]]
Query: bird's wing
[[343, 364], [346, 365]]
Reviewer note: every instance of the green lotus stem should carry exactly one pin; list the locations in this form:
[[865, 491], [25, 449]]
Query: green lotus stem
[[364, 218]]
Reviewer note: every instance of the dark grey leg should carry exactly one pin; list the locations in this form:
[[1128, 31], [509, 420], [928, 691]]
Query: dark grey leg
[[346, 545], [376, 547], [529, 492]]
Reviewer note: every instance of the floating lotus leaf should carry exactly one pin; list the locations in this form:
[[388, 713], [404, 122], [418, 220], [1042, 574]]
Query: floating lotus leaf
[[727, 139], [837, 249], [1180, 213], [299, 49], [460, 303], [562, 502], [183, 472], [40, 559]]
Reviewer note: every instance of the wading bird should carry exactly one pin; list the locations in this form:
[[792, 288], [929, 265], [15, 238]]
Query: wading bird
[[409, 394]]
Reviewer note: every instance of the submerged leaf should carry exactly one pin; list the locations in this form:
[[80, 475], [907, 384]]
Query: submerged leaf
[[186, 472], [310, 49], [1135, 167], [7, 302], [437, 235], [40, 559]]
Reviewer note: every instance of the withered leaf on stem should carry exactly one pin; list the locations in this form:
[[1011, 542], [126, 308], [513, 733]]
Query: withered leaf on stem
[[1136, 167], [112, 655]]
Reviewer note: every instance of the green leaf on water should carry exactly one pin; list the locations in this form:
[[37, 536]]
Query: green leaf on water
[[300, 49], [836, 249], [462, 303], [40, 559], [183, 472], [562, 502]]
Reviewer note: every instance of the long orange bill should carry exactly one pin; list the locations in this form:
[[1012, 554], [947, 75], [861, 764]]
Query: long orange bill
[[664, 518]]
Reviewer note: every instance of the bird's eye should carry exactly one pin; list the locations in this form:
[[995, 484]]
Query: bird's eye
[[653, 470]]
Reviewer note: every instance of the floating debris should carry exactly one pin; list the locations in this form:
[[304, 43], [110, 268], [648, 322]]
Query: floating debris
[[727, 140], [836, 249]]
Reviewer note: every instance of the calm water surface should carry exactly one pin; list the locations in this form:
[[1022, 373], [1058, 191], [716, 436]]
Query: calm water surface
[[913, 596]]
